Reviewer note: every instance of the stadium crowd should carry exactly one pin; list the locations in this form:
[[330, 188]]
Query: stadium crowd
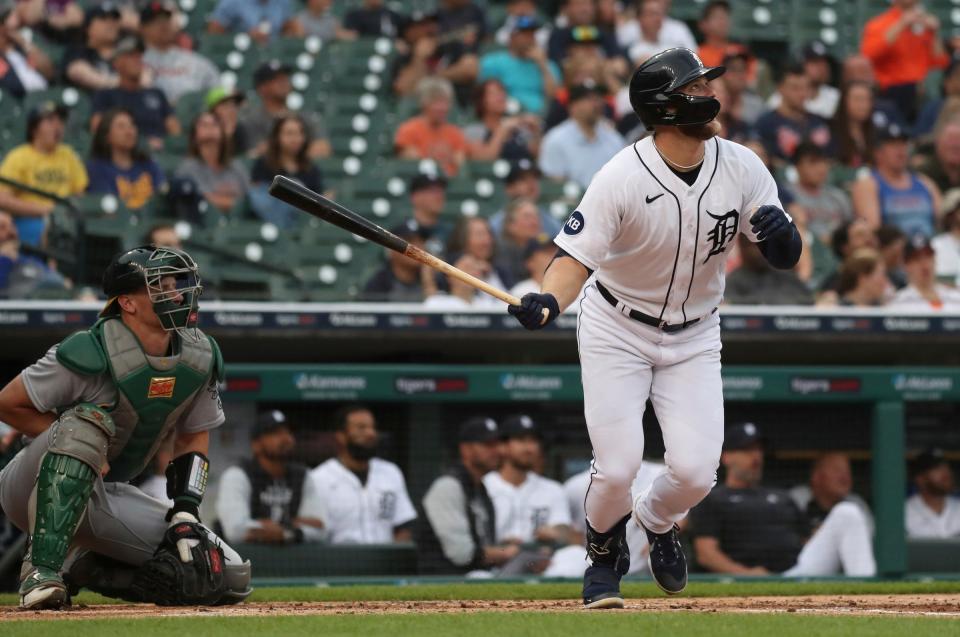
[[866, 156]]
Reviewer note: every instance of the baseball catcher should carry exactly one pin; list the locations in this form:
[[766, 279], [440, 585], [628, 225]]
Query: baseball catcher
[[97, 407]]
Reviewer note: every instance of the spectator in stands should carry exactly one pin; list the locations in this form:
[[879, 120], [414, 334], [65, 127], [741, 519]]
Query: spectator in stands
[[21, 275], [222, 180], [517, 11], [117, 164], [225, 104], [892, 193], [426, 52], [497, 135], [846, 239], [857, 68], [429, 135], [652, 36], [579, 23], [459, 295], [428, 196], [372, 19], [152, 113], [892, 242], [176, 71], [742, 101], [271, 81], [523, 68], [462, 20], [317, 19], [734, 129], [922, 291], [585, 67], [528, 508], [671, 30], [862, 280], [943, 167], [262, 20], [536, 257], [163, 235], [783, 128], [88, 66], [270, 498], [521, 224], [44, 162], [817, 63], [932, 108], [947, 243], [472, 237], [714, 24], [831, 482], [365, 498], [743, 528], [826, 206], [287, 154], [903, 44], [576, 149], [852, 127], [25, 68], [932, 512], [60, 21], [457, 533], [755, 282], [523, 182], [401, 279]]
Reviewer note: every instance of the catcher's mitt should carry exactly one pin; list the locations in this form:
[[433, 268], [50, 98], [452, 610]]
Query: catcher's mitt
[[167, 581]]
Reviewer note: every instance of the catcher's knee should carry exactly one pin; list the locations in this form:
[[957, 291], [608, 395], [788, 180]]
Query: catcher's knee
[[84, 433]]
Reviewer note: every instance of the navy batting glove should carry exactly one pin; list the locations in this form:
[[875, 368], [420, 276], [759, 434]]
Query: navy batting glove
[[530, 310], [769, 222]]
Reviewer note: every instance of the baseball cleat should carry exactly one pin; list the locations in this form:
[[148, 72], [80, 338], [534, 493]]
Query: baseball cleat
[[43, 589], [668, 564], [601, 588]]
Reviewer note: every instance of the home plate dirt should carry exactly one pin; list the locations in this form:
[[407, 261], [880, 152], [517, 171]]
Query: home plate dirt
[[932, 605]]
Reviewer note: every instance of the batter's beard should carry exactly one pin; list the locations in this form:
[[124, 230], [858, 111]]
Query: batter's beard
[[702, 132]]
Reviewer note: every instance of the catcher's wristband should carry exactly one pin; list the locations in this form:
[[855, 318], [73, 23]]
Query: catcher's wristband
[[187, 482]]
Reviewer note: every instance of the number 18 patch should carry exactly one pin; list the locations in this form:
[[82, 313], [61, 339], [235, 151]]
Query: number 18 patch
[[574, 224]]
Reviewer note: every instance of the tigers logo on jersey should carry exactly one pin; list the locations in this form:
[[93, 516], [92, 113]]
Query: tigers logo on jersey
[[161, 387], [723, 233]]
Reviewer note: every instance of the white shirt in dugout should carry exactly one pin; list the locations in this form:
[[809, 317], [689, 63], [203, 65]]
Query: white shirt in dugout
[[659, 245], [922, 521], [521, 510], [355, 513]]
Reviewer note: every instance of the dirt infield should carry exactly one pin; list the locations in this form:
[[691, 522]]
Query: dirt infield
[[847, 605]]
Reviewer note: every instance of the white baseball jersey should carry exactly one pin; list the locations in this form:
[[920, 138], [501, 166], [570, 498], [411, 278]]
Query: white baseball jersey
[[657, 244], [520, 510], [356, 513], [922, 521]]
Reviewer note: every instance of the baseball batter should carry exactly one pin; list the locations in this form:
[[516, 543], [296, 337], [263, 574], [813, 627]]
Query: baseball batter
[[644, 257], [98, 406]]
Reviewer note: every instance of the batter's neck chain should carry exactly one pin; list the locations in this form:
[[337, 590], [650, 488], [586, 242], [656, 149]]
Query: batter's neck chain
[[681, 167]]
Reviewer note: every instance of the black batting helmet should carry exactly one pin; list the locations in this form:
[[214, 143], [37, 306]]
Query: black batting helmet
[[654, 90]]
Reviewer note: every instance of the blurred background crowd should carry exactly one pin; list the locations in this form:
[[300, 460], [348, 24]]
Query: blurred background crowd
[[465, 126]]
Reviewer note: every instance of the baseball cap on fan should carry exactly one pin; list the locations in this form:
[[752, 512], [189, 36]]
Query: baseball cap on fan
[[519, 425], [742, 436], [479, 429], [269, 70], [917, 246], [586, 89], [520, 169], [157, 9]]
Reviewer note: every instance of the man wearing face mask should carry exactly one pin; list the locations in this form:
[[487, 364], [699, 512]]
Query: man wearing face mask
[[270, 498], [365, 498]]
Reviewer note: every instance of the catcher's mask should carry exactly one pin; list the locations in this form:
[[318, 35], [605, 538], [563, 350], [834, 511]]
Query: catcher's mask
[[172, 281]]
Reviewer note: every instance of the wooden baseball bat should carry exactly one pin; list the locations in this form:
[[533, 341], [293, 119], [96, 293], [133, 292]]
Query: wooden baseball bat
[[315, 204]]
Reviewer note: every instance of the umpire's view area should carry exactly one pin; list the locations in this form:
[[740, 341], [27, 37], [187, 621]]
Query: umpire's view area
[[480, 317]]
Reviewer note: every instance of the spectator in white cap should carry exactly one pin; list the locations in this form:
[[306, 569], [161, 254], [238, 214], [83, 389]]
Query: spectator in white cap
[[923, 292]]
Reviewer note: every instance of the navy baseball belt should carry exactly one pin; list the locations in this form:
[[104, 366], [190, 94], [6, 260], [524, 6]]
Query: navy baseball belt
[[646, 319]]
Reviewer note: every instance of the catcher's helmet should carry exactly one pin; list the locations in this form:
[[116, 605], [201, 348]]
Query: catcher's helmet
[[147, 267], [654, 90]]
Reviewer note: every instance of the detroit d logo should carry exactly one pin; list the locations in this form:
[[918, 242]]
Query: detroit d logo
[[723, 233]]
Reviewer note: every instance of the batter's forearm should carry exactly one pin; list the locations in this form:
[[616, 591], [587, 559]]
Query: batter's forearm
[[564, 279]]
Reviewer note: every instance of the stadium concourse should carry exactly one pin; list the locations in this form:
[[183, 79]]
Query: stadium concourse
[[355, 378]]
